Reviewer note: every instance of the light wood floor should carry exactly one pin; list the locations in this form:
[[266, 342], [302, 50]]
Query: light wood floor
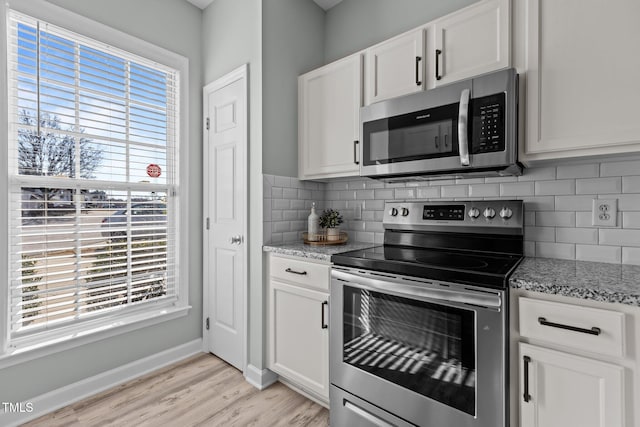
[[199, 391]]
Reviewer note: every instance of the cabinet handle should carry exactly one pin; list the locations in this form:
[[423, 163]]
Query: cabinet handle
[[438, 53], [322, 321], [592, 331], [418, 82], [355, 152], [301, 273], [526, 395]]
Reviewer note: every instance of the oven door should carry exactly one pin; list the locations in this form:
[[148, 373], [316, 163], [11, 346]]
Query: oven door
[[430, 353]]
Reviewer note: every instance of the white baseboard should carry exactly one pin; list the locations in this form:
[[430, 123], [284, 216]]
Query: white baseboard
[[259, 378], [56, 399]]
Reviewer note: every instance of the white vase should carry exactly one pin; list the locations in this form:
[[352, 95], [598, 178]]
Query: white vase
[[333, 234]]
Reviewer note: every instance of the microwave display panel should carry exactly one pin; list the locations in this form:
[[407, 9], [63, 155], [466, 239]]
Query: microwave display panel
[[488, 129], [420, 135]]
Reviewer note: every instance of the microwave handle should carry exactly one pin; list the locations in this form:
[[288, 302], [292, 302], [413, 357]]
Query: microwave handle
[[463, 119]]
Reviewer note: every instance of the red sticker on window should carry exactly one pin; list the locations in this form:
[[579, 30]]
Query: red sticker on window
[[153, 170]]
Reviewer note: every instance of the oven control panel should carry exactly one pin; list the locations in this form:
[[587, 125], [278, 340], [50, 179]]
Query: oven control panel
[[473, 216]]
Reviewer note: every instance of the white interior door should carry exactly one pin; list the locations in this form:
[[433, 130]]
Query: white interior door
[[225, 212]]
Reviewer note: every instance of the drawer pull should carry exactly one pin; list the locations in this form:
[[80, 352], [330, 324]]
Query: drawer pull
[[301, 273], [323, 323], [592, 331], [526, 396]]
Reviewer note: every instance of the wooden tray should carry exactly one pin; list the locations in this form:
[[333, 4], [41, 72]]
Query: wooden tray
[[321, 239]]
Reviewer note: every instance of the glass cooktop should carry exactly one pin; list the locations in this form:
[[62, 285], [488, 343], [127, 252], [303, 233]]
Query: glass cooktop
[[471, 267]]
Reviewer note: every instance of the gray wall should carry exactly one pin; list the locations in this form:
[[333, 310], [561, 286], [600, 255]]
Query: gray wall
[[353, 25], [232, 37], [148, 20], [292, 44]]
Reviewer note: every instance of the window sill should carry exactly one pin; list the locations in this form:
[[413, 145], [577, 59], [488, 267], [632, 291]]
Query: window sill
[[103, 330]]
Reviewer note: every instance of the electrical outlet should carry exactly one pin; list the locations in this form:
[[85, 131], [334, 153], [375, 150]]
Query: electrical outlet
[[605, 212]]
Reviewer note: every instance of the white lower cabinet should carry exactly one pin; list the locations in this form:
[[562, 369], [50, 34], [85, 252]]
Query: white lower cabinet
[[559, 389], [298, 334], [574, 362]]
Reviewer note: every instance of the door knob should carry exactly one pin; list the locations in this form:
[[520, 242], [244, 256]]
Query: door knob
[[236, 240]]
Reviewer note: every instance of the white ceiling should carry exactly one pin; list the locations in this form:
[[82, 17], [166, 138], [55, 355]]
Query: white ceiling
[[325, 4]]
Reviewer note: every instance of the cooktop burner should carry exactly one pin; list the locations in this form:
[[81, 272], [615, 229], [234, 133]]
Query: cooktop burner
[[461, 261]]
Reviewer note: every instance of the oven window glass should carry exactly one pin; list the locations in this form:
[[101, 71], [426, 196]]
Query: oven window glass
[[420, 135], [428, 348]]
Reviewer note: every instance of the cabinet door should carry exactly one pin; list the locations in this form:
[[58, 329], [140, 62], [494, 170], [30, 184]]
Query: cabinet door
[[473, 41], [395, 67], [582, 78], [328, 124], [298, 342], [567, 390]]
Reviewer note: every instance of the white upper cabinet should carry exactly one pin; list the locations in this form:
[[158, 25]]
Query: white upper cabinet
[[582, 67], [329, 101], [475, 40], [395, 67]]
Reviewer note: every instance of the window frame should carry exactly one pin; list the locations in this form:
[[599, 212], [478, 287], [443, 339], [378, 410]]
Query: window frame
[[132, 318]]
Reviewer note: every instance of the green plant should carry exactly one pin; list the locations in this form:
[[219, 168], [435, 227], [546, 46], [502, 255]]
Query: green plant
[[330, 218], [30, 297]]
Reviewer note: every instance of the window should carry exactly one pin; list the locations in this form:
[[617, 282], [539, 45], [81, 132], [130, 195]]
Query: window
[[93, 182]]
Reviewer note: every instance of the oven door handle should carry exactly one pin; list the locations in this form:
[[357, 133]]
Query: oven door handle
[[463, 125], [403, 289]]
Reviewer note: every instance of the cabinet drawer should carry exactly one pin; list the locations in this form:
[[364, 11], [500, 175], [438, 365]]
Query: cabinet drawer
[[304, 273], [584, 328]]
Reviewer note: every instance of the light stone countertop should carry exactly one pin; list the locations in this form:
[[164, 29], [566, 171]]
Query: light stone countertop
[[597, 281], [319, 252]]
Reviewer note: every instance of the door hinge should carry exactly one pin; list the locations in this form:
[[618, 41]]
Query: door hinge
[[207, 323], [208, 222], [208, 123]]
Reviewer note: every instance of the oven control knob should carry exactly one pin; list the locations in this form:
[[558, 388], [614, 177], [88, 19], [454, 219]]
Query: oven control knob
[[506, 213], [393, 212], [405, 211], [489, 213], [474, 213]]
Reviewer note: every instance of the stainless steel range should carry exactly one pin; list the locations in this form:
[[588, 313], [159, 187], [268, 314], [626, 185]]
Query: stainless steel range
[[419, 325]]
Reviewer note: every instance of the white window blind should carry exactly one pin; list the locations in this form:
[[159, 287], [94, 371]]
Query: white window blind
[[93, 178]]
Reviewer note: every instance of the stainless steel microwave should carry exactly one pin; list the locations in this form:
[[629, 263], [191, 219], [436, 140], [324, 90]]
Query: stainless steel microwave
[[467, 128]]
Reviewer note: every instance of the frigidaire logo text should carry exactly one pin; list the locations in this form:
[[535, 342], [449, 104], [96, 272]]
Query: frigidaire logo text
[[425, 116], [21, 407]]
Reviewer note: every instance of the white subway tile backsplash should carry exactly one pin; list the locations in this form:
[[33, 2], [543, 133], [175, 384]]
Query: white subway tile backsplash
[[631, 256], [538, 174], [365, 194], [619, 237], [557, 200], [557, 187], [588, 236], [556, 250], [631, 219], [276, 192], [631, 184], [423, 193], [282, 181], [539, 203], [383, 193], [454, 191], [290, 193], [574, 203], [598, 253], [578, 171], [599, 185], [556, 219], [484, 190], [620, 168], [517, 189], [405, 193], [540, 234]]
